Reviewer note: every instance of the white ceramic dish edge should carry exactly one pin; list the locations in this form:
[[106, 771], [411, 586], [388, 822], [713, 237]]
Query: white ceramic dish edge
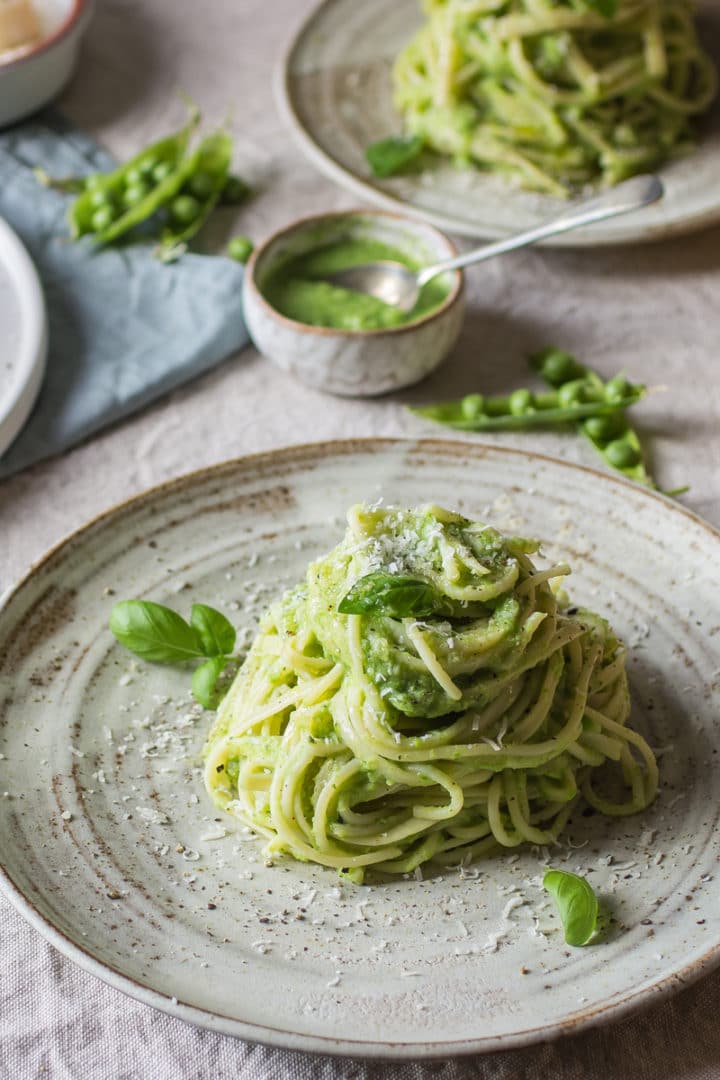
[[30, 363]]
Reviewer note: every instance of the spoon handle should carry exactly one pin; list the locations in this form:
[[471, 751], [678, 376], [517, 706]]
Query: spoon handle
[[632, 194]]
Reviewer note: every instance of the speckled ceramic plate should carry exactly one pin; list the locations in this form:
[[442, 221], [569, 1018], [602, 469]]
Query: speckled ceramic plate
[[111, 849], [23, 335], [334, 87]]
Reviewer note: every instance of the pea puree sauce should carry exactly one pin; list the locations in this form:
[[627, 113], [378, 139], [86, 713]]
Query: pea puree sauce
[[296, 289]]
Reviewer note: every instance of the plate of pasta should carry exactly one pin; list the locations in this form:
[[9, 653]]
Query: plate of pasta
[[485, 117], [339, 717]]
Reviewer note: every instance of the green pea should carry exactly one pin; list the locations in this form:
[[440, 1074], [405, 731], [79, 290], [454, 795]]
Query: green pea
[[560, 367], [201, 185], [102, 218], [134, 194], [573, 393], [94, 181], [520, 401], [100, 197], [240, 248], [147, 166], [184, 209], [472, 406], [161, 171], [622, 454], [616, 389], [235, 190], [602, 428], [134, 176]]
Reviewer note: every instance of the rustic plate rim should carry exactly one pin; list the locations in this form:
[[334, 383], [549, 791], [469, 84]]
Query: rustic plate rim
[[220, 1023]]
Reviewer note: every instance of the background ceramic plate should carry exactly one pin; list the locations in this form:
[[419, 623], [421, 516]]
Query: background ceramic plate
[[111, 848], [335, 89], [23, 335]]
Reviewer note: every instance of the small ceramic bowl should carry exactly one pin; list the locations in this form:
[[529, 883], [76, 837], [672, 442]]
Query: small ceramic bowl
[[354, 363], [31, 76]]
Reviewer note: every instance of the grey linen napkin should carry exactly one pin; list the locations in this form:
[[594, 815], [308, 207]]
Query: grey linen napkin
[[123, 327]]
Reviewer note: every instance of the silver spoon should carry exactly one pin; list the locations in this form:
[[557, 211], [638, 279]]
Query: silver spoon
[[396, 284]]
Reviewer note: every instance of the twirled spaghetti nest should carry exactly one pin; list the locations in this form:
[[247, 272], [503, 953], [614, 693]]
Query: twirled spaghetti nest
[[383, 740]]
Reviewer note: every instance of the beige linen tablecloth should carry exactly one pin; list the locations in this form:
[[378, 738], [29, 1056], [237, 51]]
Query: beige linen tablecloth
[[654, 310]]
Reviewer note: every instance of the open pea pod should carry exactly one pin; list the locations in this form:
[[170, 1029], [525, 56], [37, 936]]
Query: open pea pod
[[115, 202], [612, 435], [619, 445], [210, 163], [523, 410]]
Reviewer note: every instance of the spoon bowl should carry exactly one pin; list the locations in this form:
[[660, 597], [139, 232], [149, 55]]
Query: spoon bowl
[[400, 286]]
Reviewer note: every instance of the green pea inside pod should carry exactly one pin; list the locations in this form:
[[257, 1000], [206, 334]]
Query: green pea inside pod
[[134, 175], [184, 209], [472, 406], [95, 181], [201, 185], [622, 454], [147, 167], [102, 217], [100, 198], [135, 193], [618, 388], [556, 366], [521, 402], [161, 171], [603, 428], [577, 392]]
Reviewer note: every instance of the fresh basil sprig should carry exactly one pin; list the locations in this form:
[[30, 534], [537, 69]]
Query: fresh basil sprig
[[158, 634], [390, 156], [389, 594], [576, 903]]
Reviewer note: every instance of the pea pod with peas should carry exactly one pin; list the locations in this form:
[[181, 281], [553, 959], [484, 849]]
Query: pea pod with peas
[[205, 177], [111, 204], [612, 435], [573, 401], [168, 188]]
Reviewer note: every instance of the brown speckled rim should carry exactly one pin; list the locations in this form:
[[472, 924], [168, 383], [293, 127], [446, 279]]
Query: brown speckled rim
[[80, 11], [413, 227], [295, 457]]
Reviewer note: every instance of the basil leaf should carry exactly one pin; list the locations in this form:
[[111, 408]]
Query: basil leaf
[[216, 633], [154, 632], [576, 904], [204, 679], [389, 156], [389, 594]]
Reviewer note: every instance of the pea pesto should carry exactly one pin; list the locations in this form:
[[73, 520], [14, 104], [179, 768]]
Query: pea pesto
[[297, 290]]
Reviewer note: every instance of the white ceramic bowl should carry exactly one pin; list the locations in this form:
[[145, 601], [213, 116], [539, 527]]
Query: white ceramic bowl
[[354, 363], [31, 78]]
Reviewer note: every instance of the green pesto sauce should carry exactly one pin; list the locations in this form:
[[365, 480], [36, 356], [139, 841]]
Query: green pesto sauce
[[297, 291]]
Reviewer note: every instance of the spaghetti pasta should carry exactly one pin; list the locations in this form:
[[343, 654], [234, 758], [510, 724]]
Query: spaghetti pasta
[[555, 94], [381, 739]]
